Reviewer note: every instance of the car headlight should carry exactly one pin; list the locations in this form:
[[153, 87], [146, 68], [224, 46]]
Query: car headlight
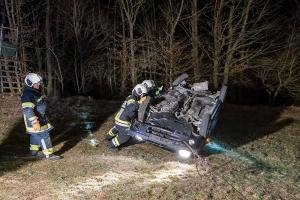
[[139, 138], [184, 153], [191, 142]]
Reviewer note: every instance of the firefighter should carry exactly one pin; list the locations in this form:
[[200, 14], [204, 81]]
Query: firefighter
[[153, 91], [36, 122], [118, 134]]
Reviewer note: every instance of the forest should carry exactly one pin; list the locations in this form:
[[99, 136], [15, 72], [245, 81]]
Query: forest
[[104, 48]]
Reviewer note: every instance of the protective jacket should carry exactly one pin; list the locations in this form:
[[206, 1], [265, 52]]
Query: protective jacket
[[34, 107], [128, 112]]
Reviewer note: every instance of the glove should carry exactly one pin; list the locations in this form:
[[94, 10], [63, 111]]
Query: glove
[[142, 100], [36, 125], [159, 91]]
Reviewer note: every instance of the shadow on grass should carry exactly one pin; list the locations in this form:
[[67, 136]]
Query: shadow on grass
[[90, 117], [14, 148], [239, 125]]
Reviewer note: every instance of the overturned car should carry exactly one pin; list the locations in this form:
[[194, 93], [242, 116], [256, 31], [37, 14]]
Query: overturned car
[[182, 119]]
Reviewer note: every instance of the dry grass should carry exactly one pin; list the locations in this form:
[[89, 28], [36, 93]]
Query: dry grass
[[259, 159]]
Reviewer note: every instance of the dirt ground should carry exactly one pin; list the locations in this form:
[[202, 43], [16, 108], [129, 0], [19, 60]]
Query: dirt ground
[[254, 154]]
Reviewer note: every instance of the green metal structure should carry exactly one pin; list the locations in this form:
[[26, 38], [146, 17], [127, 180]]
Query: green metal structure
[[7, 49]]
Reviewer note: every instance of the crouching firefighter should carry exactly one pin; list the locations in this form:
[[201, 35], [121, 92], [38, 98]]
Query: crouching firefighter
[[36, 122], [119, 133]]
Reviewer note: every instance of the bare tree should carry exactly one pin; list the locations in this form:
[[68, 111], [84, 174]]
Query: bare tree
[[131, 9], [124, 56], [240, 30], [89, 30], [195, 40], [84, 44], [171, 12], [48, 47], [281, 72], [17, 19], [218, 40]]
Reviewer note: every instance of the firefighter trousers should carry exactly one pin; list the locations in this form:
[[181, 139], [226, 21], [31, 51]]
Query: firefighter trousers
[[117, 136], [41, 140]]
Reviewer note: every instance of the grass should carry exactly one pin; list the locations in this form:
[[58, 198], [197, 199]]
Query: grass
[[260, 160]]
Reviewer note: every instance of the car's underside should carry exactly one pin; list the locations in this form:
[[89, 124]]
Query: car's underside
[[182, 119]]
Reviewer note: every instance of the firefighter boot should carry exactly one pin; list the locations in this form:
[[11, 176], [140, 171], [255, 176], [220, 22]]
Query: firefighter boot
[[52, 157]]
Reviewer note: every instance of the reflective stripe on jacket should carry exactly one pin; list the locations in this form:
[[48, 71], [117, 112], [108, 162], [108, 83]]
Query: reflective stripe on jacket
[[34, 107], [128, 112]]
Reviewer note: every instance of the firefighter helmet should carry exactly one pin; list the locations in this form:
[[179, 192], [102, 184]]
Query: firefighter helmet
[[32, 78], [139, 90], [149, 84]]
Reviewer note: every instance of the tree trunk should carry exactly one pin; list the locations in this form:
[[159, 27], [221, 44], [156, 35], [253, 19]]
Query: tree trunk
[[215, 73], [39, 59], [216, 43], [195, 51], [48, 46], [9, 14], [123, 57], [132, 56]]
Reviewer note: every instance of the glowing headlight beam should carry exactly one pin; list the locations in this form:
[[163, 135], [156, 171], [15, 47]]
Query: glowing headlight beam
[[184, 153]]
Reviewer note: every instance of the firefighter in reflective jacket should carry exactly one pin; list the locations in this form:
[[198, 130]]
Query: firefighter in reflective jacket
[[128, 112], [36, 122]]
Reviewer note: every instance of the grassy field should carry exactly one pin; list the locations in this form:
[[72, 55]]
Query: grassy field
[[254, 154]]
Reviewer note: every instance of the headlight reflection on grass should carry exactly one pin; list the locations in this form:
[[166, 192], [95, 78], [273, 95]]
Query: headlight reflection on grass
[[253, 162], [216, 147], [220, 147], [87, 127]]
